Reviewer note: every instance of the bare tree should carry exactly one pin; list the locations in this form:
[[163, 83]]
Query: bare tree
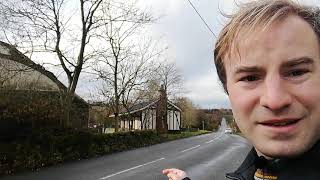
[[125, 59], [57, 27], [170, 77], [166, 74], [122, 92], [151, 89], [124, 78]]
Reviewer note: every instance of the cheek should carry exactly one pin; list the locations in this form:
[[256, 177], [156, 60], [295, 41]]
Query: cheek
[[309, 97], [242, 102], [310, 103], [243, 105]]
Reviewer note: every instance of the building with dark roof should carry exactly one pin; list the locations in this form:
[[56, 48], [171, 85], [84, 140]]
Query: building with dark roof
[[161, 115]]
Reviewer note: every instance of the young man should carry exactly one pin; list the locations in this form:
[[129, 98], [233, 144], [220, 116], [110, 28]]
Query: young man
[[268, 60]]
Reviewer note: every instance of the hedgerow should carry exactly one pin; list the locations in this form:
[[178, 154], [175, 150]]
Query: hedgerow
[[50, 147]]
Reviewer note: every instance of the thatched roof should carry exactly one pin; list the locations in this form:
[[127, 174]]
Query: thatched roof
[[9, 52]]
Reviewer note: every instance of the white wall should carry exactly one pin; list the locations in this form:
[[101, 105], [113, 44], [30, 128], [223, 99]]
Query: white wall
[[137, 123], [173, 120], [149, 120]]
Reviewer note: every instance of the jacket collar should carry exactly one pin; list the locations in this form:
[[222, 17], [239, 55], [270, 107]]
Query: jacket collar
[[253, 161], [247, 168]]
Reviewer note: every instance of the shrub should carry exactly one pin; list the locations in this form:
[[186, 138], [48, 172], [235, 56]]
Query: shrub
[[53, 146]]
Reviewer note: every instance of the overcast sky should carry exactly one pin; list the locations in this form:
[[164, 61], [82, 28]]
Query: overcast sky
[[191, 44]]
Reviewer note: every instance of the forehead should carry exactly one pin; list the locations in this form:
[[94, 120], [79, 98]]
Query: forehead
[[286, 38]]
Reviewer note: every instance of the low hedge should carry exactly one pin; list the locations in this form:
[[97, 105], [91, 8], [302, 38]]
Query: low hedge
[[50, 147]]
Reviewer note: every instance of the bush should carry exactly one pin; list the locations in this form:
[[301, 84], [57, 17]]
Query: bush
[[50, 147]]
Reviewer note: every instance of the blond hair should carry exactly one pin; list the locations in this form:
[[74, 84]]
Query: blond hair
[[259, 13]]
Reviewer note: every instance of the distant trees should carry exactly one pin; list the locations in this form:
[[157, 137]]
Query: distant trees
[[189, 112], [195, 117], [208, 120]]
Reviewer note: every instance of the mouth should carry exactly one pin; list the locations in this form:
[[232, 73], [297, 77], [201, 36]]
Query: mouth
[[281, 127], [280, 122]]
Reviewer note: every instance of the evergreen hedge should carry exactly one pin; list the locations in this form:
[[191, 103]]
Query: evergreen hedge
[[50, 147]]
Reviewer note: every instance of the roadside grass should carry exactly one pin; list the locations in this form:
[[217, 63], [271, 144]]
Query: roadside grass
[[185, 134]]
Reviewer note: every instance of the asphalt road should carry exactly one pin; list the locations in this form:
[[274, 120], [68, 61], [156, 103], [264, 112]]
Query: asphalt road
[[205, 157]]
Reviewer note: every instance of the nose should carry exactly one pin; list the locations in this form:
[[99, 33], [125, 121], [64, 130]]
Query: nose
[[275, 96]]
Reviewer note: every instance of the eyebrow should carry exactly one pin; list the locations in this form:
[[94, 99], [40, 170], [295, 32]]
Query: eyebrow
[[298, 61], [247, 69], [290, 63]]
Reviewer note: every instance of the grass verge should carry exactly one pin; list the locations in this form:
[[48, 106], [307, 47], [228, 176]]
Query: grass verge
[[185, 134]]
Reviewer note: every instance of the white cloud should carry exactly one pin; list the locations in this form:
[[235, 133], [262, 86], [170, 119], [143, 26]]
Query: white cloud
[[207, 92]]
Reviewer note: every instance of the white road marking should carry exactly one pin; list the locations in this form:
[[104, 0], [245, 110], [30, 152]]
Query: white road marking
[[111, 175], [190, 148], [219, 136]]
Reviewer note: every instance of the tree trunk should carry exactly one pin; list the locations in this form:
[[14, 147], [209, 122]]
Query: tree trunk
[[66, 107], [116, 114]]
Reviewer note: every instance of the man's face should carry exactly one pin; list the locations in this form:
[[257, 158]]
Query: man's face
[[273, 81]]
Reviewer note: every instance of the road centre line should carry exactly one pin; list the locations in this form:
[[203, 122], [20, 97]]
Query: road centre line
[[214, 139], [190, 148], [111, 175]]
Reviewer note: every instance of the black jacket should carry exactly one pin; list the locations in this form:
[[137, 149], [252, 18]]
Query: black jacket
[[304, 167]]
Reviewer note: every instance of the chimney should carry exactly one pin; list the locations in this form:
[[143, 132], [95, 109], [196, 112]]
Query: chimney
[[161, 116]]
